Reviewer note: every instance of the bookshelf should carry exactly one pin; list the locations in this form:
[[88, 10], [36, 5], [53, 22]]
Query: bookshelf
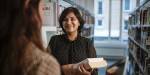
[[139, 40], [88, 29]]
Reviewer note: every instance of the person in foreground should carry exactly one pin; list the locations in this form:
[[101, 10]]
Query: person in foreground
[[71, 48], [21, 51]]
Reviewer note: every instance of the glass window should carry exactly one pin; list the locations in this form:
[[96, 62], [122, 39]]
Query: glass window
[[99, 22], [127, 4], [100, 7], [125, 25]]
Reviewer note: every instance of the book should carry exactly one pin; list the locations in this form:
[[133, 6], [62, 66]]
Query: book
[[144, 17], [94, 63], [112, 71], [118, 63]]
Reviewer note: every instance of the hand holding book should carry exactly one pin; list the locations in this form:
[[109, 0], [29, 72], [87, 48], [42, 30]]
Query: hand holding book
[[84, 67], [92, 63]]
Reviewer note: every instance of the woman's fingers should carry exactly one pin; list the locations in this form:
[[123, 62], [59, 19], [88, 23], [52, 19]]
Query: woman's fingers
[[80, 69], [87, 69], [84, 71]]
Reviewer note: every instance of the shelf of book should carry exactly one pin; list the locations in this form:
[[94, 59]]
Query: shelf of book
[[139, 65], [139, 40], [136, 43], [138, 55]]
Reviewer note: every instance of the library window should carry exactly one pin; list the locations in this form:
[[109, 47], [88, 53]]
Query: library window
[[99, 22], [100, 7], [127, 4], [125, 25]]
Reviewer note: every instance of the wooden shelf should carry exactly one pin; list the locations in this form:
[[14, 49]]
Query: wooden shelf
[[139, 26], [143, 26]]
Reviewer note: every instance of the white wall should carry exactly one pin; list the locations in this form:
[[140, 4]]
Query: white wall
[[102, 30], [115, 18]]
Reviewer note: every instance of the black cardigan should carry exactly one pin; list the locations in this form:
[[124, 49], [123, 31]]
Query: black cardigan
[[68, 52]]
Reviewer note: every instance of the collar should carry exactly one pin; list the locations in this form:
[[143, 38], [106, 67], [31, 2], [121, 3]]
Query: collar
[[66, 38]]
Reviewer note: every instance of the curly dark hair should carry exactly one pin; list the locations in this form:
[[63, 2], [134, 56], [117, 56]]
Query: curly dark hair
[[68, 10]]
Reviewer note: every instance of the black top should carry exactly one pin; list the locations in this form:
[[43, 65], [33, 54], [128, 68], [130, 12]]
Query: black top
[[68, 52]]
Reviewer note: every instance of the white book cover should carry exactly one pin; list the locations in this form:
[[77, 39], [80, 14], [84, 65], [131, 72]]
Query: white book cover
[[94, 63]]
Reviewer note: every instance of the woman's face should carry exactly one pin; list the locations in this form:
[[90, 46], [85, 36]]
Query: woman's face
[[71, 23]]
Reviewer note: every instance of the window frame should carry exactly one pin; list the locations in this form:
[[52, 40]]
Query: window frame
[[100, 9]]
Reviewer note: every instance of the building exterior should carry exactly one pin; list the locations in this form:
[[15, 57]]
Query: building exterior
[[111, 19], [111, 27]]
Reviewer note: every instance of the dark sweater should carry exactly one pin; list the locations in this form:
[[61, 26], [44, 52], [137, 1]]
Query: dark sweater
[[69, 52]]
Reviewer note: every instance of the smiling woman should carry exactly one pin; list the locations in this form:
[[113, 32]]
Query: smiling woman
[[71, 48]]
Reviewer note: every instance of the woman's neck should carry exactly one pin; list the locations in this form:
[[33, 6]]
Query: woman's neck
[[72, 36]]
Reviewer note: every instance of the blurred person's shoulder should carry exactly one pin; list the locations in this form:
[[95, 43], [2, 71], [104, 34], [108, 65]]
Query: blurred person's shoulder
[[40, 62]]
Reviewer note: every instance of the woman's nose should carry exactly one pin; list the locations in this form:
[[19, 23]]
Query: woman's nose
[[69, 22]]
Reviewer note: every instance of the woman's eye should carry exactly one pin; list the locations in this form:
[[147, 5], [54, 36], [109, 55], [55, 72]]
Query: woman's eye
[[65, 19], [73, 19]]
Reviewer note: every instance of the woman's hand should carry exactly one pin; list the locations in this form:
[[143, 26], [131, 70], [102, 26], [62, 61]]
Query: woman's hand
[[76, 69], [84, 71], [80, 69]]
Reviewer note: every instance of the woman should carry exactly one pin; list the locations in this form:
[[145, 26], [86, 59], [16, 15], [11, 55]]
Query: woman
[[21, 51], [71, 48]]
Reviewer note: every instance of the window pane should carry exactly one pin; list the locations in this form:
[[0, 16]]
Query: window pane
[[100, 7], [127, 4], [101, 30], [99, 22], [125, 25]]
